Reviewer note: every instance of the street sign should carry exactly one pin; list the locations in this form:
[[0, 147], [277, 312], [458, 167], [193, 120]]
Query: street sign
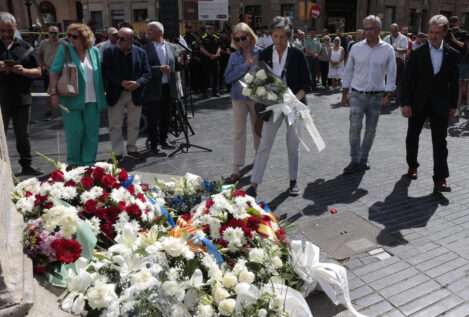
[[213, 10], [315, 12]]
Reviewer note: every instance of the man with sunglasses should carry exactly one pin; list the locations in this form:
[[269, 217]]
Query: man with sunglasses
[[111, 41], [46, 53], [126, 69]]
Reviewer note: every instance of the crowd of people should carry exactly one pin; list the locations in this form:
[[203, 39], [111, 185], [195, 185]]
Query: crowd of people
[[125, 72]]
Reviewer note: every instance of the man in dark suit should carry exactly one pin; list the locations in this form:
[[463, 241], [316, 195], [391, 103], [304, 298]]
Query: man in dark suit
[[430, 91], [161, 90], [125, 66]]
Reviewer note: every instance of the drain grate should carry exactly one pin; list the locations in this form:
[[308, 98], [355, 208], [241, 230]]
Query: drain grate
[[345, 234]]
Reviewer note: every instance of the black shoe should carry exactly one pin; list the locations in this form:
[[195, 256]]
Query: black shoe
[[48, 116], [29, 170], [216, 94], [167, 146], [352, 168], [251, 191], [365, 164], [119, 158], [293, 190], [135, 155], [157, 153]]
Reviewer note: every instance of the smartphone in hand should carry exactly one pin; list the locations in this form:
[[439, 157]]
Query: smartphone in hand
[[9, 62]]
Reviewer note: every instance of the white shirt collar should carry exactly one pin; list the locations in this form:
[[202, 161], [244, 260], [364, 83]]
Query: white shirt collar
[[434, 49]]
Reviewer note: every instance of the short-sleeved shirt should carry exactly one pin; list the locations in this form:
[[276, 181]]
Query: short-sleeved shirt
[[15, 88], [47, 49], [210, 43], [312, 44]]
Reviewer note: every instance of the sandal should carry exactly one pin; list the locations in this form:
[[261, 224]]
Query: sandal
[[233, 178]]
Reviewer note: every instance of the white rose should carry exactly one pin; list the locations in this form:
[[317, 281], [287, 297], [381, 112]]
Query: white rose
[[248, 78], [246, 277], [229, 280], [247, 91], [204, 310], [219, 294], [261, 74], [260, 91], [101, 295], [227, 307], [171, 287], [262, 312], [256, 255], [241, 287], [277, 262], [271, 96], [173, 246]]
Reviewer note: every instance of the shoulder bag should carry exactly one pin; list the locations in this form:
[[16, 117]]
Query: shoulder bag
[[67, 85]]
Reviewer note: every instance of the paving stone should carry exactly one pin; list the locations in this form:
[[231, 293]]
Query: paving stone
[[386, 271], [439, 308], [426, 256], [424, 301], [367, 300], [393, 279], [377, 309], [464, 294], [447, 267], [458, 285], [438, 261], [404, 285], [414, 292], [394, 313], [375, 266], [360, 292], [459, 311]]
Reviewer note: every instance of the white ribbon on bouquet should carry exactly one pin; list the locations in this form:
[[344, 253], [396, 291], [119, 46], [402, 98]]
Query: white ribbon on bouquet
[[306, 264], [294, 110]]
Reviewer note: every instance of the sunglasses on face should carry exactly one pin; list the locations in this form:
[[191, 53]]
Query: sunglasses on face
[[53, 33], [114, 34], [73, 36], [242, 38]]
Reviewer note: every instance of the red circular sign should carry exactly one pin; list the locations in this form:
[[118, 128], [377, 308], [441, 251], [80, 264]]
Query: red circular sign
[[315, 11]]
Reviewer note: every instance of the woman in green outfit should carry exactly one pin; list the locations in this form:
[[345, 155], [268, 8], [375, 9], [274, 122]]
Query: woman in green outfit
[[81, 122]]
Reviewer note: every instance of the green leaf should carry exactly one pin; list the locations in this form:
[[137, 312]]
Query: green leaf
[[191, 266], [48, 159], [141, 252]]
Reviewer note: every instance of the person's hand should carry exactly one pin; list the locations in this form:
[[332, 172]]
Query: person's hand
[[345, 100], [3, 67], [197, 59], [166, 69], [407, 111], [452, 111], [18, 69], [132, 85], [54, 101], [251, 61], [386, 100]]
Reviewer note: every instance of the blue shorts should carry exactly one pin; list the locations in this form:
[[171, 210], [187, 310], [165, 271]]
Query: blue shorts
[[463, 71]]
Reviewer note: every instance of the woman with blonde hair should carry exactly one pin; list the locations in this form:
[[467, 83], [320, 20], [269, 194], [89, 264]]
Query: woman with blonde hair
[[81, 121], [244, 40]]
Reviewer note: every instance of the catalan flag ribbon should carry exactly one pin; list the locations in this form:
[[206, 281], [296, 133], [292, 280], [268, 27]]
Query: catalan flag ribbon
[[265, 228]]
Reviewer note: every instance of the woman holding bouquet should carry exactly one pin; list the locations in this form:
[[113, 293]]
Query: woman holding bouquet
[[289, 63], [81, 121], [244, 40]]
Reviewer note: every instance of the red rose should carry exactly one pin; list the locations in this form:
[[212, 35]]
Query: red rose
[[108, 181], [98, 173], [209, 204], [39, 270], [261, 204], [223, 243], [237, 223], [57, 176], [70, 183], [48, 205], [87, 182], [111, 214], [89, 170], [281, 234], [186, 216], [28, 194], [39, 199], [141, 197], [100, 213], [90, 206], [222, 229], [118, 185], [240, 193], [66, 250], [104, 196], [253, 223], [107, 230], [266, 218], [134, 210], [131, 189], [122, 177], [145, 187]]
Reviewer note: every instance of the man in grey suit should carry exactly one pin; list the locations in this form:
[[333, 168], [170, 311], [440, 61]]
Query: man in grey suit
[[161, 90]]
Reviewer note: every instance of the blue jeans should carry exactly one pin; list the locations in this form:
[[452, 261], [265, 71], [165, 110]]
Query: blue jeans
[[369, 105]]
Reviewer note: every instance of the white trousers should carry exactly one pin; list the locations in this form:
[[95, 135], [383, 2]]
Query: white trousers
[[269, 131], [116, 117]]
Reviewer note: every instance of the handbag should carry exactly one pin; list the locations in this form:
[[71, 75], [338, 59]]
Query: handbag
[[67, 85], [260, 108]]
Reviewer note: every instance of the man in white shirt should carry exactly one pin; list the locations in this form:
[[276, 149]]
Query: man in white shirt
[[419, 40], [265, 40], [111, 41], [369, 63], [400, 44]]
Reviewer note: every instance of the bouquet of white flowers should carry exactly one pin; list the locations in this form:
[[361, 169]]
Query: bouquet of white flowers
[[262, 86]]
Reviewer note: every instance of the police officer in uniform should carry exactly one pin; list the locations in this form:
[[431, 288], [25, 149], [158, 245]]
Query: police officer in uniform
[[189, 36], [196, 64], [225, 45], [210, 49]]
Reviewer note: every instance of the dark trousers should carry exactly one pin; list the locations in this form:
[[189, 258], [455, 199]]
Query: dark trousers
[[210, 67], [324, 68], [196, 72], [313, 64], [19, 114], [439, 129], [399, 79], [158, 117]]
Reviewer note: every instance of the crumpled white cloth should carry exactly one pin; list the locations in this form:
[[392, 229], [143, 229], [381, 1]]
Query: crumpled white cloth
[[306, 264], [294, 110]]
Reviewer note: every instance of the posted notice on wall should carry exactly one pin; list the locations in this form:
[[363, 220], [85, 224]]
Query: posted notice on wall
[[213, 10]]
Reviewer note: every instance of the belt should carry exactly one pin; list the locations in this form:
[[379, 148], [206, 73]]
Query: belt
[[368, 92]]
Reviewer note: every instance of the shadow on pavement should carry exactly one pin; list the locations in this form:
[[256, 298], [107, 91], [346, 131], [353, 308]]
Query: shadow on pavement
[[341, 190], [398, 211]]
